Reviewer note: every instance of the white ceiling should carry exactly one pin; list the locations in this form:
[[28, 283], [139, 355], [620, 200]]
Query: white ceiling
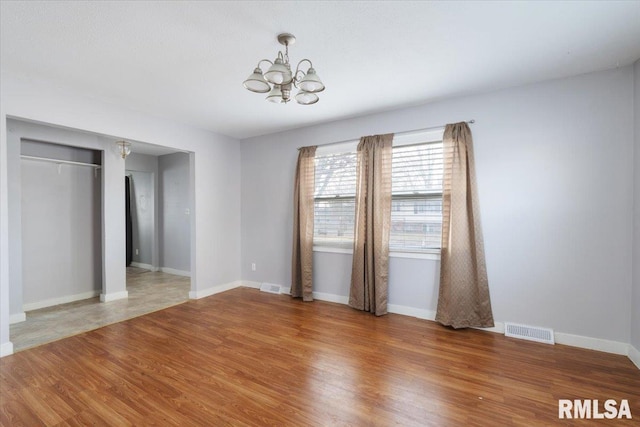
[[186, 60]]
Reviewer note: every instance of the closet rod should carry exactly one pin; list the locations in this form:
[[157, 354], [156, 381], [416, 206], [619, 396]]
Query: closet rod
[[472, 121], [58, 161]]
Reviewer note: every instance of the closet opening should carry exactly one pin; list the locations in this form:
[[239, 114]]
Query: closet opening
[[67, 269]]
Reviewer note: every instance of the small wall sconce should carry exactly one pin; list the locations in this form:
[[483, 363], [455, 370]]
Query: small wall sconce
[[124, 148]]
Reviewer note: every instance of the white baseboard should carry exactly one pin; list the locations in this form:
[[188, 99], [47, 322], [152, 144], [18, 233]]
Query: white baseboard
[[114, 296], [590, 343], [142, 265], [6, 349], [175, 272], [250, 284], [340, 299], [634, 355], [202, 293], [420, 313], [17, 318], [60, 300], [606, 346], [320, 296]]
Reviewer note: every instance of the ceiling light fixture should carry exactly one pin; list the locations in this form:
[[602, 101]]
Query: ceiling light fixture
[[279, 76], [124, 148]]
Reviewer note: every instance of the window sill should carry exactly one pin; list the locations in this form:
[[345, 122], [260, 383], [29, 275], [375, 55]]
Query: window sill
[[432, 255], [332, 250]]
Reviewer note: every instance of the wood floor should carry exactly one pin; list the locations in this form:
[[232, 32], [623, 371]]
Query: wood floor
[[148, 291], [244, 357]]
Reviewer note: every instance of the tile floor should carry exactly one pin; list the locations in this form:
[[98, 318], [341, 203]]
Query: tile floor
[[148, 291]]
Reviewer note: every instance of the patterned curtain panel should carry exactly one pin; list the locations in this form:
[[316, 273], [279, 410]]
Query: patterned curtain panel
[[463, 299], [302, 254], [370, 269]]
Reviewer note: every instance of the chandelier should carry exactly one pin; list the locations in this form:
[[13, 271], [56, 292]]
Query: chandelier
[[124, 148], [278, 80]]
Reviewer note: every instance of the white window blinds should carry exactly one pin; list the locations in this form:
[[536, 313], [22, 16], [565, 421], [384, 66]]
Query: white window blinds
[[335, 189], [416, 207]]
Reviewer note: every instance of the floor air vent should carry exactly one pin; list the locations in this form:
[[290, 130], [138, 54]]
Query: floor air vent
[[531, 333], [270, 287]]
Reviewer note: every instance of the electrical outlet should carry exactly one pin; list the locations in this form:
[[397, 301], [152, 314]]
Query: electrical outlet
[[137, 252], [253, 266]]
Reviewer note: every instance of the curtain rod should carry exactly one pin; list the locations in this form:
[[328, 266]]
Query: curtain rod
[[472, 121]]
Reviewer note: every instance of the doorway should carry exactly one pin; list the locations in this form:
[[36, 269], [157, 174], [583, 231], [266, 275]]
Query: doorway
[[79, 209], [160, 200]]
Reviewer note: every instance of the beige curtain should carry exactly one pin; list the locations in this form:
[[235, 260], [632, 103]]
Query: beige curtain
[[370, 269], [463, 299], [302, 254]]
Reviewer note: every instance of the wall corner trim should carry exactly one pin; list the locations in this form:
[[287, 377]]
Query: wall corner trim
[[114, 296], [6, 349]]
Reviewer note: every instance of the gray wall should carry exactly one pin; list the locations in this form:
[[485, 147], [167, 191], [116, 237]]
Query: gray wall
[[635, 304], [555, 175], [61, 244], [55, 220], [174, 216], [142, 215], [144, 173]]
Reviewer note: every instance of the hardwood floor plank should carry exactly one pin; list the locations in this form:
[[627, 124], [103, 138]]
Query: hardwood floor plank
[[248, 358]]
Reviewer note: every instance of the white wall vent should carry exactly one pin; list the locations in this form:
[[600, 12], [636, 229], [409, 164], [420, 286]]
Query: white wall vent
[[270, 287], [532, 333]]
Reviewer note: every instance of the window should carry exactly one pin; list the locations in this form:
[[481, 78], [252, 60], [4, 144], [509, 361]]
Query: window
[[416, 207], [334, 204]]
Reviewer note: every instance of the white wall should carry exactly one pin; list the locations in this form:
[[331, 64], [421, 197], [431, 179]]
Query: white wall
[[215, 170], [635, 300], [174, 218], [555, 174]]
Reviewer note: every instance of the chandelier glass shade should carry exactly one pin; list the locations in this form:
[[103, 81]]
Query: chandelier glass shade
[[278, 80], [124, 148]]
